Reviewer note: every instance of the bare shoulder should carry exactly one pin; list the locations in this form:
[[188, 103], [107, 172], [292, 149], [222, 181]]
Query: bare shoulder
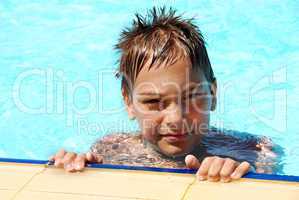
[[231, 139]]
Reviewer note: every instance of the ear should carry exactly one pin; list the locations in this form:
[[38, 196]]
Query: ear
[[214, 94], [128, 103]]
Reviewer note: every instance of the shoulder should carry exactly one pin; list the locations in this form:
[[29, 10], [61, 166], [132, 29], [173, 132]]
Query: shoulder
[[240, 146], [233, 138]]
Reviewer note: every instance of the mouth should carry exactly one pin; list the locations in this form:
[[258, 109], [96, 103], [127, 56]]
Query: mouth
[[175, 137]]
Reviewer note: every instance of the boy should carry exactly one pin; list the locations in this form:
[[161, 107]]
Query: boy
[[169, 87]]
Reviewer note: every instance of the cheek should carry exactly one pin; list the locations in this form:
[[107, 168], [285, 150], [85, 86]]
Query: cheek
[[198, 109], [198, 120], [149, 124], [198, 116], [200, 106]]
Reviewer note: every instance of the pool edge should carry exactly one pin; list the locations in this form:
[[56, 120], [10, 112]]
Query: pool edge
[[250, 175]]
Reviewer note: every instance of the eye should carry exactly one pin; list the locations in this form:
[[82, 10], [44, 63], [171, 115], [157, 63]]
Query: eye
[[152, 104], [196, 95]]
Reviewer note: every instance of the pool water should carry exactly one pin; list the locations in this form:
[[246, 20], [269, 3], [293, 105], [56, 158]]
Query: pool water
[[57, 64]]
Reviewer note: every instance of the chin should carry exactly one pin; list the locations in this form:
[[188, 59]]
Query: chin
[[174, 151]]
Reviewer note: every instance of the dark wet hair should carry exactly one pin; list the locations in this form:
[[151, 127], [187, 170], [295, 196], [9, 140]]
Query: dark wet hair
[[161, 36]]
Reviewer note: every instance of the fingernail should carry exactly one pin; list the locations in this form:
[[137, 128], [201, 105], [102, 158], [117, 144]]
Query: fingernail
[[224, 180], [78, 167], [235, 176], [68, 166], [212, 179], [57, 163], [201, 178]]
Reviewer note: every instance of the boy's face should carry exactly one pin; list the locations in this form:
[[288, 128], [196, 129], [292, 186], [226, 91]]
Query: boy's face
[[172, 105]]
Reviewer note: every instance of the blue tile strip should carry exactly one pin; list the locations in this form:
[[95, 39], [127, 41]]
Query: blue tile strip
[[13, 160], [251, 175]]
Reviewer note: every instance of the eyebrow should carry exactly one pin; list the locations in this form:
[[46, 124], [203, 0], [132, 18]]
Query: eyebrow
[[192, 87], [149, 94], [189, 88]]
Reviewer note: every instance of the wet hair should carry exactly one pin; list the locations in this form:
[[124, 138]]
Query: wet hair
[[160, 36]]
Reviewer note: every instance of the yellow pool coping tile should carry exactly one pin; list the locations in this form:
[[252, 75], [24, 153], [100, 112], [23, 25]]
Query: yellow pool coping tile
[[245, 189], [15, 176], [112, 182], [25, 181], [6, 194], [30, 195]]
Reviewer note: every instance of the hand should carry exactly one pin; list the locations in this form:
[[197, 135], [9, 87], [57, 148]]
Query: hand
[[216, 168], [73, 162]]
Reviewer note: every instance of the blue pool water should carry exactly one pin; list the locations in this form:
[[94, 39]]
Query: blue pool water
[[57, 85]]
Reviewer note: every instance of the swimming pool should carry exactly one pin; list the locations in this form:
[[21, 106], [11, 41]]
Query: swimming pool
[[57, 63]]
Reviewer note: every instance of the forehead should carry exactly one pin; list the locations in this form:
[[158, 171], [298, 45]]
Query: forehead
[[168, 79]]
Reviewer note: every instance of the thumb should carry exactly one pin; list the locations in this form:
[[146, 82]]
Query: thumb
[[192, 162], [92, 157]]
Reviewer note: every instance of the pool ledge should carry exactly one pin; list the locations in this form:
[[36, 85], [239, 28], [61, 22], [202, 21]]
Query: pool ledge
[[34, 179]]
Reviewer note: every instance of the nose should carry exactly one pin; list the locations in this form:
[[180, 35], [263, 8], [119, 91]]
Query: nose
[[174, 116]]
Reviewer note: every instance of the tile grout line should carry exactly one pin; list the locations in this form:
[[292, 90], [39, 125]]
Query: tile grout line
[[27, 182], [88, 194], [188, 189]]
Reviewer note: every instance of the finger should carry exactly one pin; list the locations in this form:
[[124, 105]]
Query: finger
[[215, 168], [70, 167], [204, 168], [59, 158], [92, 157], [52, 158], [68, 161], [192, 162], [242, 169], [80, 162], [228, 168], [69, 157]]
